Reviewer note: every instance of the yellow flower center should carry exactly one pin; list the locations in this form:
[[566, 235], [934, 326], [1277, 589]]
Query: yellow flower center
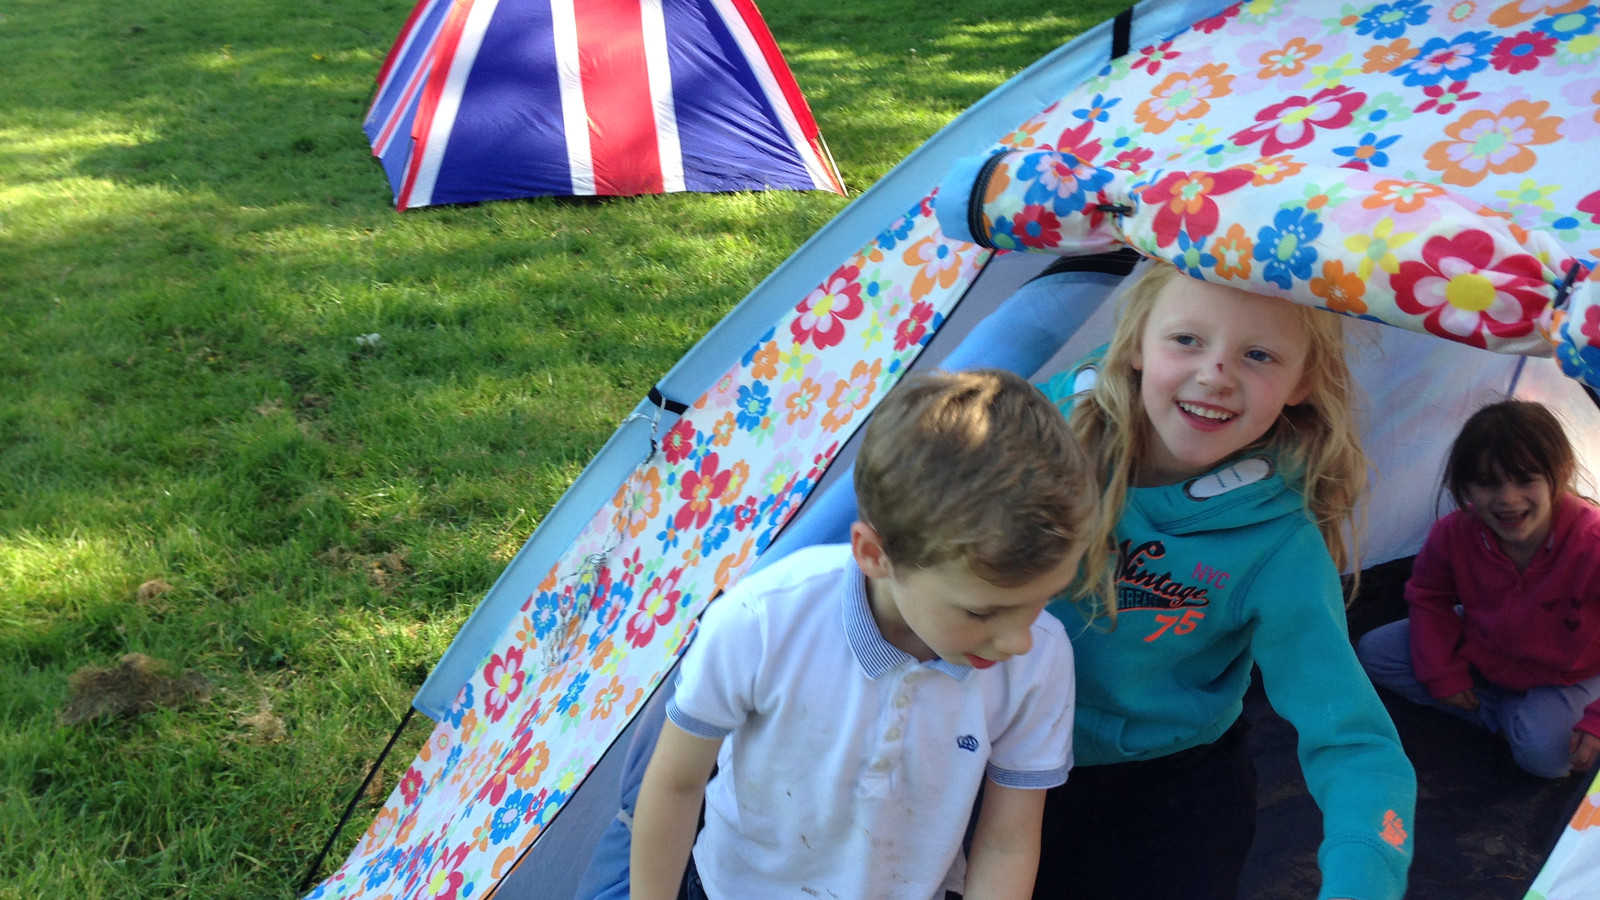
[[1471, 292]]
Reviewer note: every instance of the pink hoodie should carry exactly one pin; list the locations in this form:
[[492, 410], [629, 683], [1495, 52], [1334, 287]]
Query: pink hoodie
[[1521, 630]]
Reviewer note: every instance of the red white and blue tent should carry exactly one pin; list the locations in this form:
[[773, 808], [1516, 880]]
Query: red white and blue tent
[[498, 99]]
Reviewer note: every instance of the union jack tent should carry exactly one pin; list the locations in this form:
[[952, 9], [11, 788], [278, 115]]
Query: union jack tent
[[497, 99]]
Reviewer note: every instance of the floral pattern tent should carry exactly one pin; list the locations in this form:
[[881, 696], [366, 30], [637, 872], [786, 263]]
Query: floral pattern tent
[[1414, 97]]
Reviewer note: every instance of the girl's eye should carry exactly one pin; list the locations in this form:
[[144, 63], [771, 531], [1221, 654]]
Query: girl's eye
[[981, 617], [1187, 340], [1259, 356]]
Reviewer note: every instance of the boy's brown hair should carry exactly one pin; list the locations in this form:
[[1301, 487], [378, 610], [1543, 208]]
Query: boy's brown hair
[[976, 466]]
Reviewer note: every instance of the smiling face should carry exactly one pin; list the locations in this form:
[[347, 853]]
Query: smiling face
[[946, 611], [1518, 509], [1217, 367]]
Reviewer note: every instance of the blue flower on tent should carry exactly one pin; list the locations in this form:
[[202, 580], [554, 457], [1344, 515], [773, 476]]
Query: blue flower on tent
[[1368, 152], [545, 806], [1192, 256], [900, 229], [381, 868], [1578, 358], [1569, 25], [754, 400], [1453, 58], [546, 613], [567, 705], [1060, 180], [1286, 246], [1387, 21], [750, 355], [718, 532], [508, 817], [1097, 109], [460, 705], [668, 536]]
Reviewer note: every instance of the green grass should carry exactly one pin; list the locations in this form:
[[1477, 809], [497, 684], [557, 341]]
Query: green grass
[[192, 236]]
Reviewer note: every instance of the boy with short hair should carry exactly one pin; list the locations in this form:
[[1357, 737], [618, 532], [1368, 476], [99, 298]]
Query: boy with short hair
[[853, 698]]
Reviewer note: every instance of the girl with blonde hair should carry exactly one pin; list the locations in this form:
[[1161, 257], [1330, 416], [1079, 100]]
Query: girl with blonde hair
[[1221, 425]]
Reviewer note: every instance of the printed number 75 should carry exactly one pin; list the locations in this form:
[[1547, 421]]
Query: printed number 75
[[1179, 625]]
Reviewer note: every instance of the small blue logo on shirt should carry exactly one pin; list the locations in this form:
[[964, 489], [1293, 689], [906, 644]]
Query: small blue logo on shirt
[[968, 743]]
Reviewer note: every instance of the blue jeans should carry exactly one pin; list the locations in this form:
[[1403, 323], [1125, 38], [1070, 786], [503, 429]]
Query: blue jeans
[[1536, 723]]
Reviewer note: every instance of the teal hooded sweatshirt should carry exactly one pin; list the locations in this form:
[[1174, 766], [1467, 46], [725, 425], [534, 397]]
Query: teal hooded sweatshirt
[[1217, 574]]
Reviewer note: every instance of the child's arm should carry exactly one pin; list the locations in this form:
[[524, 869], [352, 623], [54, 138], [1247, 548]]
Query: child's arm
[[1004, 859], [1354, 766], [1437, 630], [664, 822]]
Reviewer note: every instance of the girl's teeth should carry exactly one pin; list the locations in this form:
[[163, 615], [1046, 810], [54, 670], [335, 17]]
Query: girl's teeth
[[1204, 412]]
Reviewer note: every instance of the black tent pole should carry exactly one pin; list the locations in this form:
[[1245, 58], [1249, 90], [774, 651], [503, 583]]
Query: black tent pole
[[311, 873]]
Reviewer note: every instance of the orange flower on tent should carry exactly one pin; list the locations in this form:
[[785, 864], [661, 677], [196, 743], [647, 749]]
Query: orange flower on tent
[[1232, 251], [1273, 169], [637, 502], [738, 474], [1519, 11], [999, 180], [378, 831], [851, 394], [937, 262], [633, 701], [1388, 57], [1341, 291], [1183, 96], [764, 365], [731, 562], [1484, 142], [722, 432], [606, 699], [602, 653], [1404, 196], [530, 765], [1290, 59], [1588, 814], [1025, 136], [803, 402]]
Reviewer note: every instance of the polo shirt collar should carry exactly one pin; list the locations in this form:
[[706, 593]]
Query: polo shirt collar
[[874, 652]]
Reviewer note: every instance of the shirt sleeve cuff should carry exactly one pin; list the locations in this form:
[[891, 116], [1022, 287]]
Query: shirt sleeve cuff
[[1363, 870], [1027, 780], [692, 725]]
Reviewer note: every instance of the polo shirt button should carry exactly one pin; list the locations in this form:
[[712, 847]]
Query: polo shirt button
[[881, 765], [892, 734], [902, 701]]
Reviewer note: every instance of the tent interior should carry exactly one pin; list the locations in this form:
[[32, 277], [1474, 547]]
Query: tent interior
[[1483, 827]]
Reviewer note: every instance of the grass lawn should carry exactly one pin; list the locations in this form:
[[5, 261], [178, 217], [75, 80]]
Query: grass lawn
[[200, 463]]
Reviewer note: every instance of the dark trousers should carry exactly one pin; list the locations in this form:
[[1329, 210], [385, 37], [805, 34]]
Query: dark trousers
[[691, 888], [1173, 828]]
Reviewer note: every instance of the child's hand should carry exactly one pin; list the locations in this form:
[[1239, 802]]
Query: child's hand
[[1584, 748], [1466, 700]]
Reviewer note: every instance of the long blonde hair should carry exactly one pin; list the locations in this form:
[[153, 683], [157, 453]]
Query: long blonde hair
[[1316, 442]]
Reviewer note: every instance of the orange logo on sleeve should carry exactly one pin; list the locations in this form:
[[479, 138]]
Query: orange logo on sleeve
[[1394, 829]]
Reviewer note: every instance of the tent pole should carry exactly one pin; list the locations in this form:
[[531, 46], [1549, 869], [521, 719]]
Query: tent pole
[[311, 873]]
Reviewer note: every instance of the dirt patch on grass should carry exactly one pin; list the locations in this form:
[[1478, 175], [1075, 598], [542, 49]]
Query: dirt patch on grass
[[136, 685]]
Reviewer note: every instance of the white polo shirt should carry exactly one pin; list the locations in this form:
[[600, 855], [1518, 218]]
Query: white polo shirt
[[850, 768]]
